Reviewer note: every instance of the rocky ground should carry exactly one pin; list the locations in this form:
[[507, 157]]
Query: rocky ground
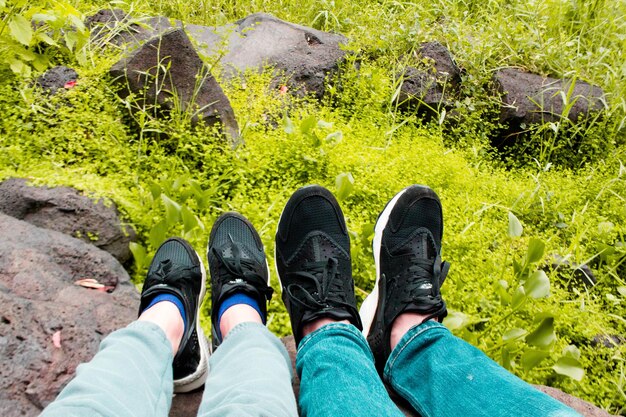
[[164, 65]]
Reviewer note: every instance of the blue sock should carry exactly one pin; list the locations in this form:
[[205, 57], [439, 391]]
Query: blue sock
[[172, 299], [237, 298]]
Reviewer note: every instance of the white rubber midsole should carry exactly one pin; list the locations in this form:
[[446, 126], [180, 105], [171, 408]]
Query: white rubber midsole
[[196, 380], [368, 308]]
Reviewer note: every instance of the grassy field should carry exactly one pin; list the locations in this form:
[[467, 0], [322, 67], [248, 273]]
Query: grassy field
[[506, 216]]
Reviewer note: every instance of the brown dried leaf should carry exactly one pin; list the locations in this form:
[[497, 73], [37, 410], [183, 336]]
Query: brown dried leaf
[[56, 339], [89, 283]]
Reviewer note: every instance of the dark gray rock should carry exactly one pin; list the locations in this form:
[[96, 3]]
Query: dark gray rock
[[433, 83], [529, 98], [105, 22], [608, 340], [38, 268], [580, 273], [304, 55], [167, 71], [583, 407], [65, 210], [56, 78]]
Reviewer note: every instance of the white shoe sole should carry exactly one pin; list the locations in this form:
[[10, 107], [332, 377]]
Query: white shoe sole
[[370, 304], [197, 379]]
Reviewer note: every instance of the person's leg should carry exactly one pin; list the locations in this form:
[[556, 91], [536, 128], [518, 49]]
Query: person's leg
[[134, 372], [250, 376], [442, 375], [131, 376], [335, 365], [436, 372], [338, 376], [250, 368]]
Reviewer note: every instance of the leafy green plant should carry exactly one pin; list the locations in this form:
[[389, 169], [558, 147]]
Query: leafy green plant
[[31, 35], [523, 347]]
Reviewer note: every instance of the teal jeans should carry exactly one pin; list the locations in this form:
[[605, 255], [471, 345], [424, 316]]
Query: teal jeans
[[437, 373], [250, 375]]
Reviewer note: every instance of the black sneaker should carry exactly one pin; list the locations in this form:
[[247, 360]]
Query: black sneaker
[[409, 270], [237, 264], [177, 269], [313, 260]]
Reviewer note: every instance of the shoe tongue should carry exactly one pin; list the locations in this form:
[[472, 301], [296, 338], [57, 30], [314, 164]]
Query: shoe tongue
[[229, 250], [420, 244], [316, 248], [332, 312]]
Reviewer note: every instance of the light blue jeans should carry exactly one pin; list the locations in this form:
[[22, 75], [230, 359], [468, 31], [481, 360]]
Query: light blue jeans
[[250, 375]]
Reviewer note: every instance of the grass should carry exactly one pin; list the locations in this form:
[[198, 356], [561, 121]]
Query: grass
[[170, 178]]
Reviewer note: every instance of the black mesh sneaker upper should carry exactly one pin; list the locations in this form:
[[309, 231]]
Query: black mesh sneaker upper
[[176, 269], [410, 266], [313, 260], [237, 264]]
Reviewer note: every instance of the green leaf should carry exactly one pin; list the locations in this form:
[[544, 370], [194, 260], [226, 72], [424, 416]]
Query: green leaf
[[501, 290], [71, 38], [288, 125], [18, 67], [519, 297], [532, 357], [513, 334], [571, 351], [515, 227], [543, 336], [622, 291], [316, 140], [179, 182], [536, 248], [21, 30], [344, 184], [334, 138], [157, 234], [26, 54], [308, 124], [517, 268], [605, 227], [139, 254], [455, 320], [172, 210], [507, 360], [44, 17], [40, 63], [537, 285], [155, 190], [569, 367], [324, 125], [367, 230], [190, 221]]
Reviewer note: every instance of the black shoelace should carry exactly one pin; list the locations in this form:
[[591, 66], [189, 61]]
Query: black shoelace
[[424, 280], [327, 283], [169, 271], [238, 269]]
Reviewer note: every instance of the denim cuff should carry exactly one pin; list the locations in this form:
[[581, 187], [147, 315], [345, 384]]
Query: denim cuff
[[348, 331], [256, 334], [241, 327], [410, 336], [151, 332]]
